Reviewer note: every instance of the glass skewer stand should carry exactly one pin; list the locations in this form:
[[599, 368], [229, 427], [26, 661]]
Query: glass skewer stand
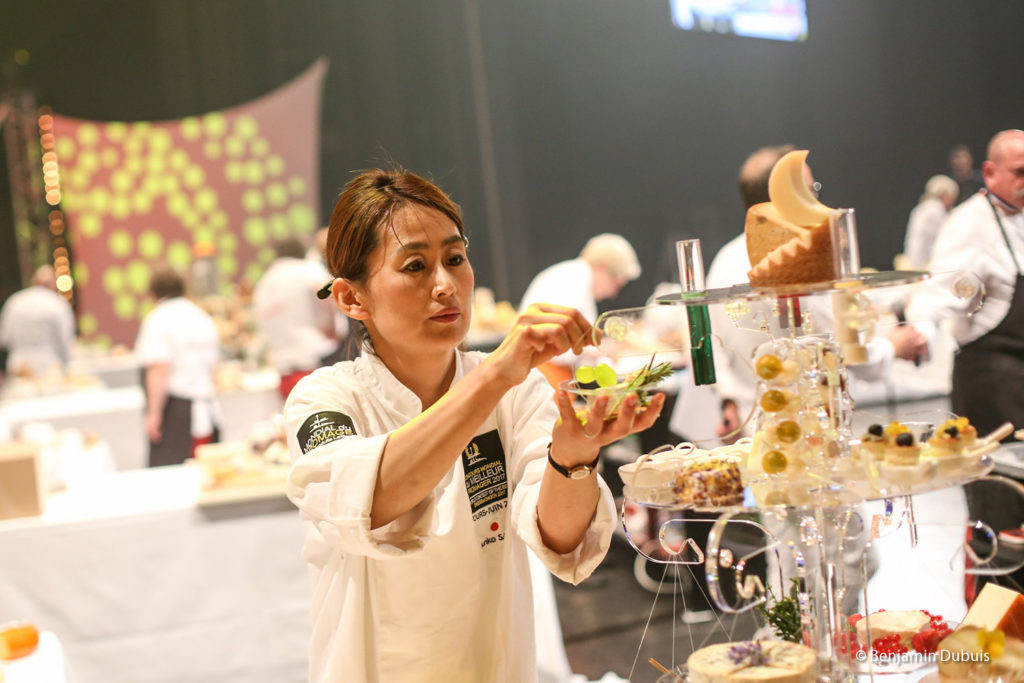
[[808, 513]]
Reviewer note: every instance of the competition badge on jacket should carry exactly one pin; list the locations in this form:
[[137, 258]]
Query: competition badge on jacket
[[324, 427], [484, 467]]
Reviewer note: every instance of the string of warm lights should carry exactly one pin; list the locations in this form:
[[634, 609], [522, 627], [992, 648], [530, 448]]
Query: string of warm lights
[[51, 182]]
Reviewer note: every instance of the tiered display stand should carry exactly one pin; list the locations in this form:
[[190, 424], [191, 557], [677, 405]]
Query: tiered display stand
[[810, 538]]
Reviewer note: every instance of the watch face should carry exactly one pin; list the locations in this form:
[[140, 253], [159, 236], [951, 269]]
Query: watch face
[[581, 472]]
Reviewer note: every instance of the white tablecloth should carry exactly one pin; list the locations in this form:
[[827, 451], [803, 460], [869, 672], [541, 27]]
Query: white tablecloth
[[142, 585], [115, 415], [244, 407], [113, 371]]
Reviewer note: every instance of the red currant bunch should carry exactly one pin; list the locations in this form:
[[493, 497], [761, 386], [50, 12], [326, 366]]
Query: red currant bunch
[[888, 645], [927, 641], [847, 643]]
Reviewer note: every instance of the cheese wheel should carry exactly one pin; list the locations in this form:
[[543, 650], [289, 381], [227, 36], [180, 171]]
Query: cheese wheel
[[788, 663], [904, 623]]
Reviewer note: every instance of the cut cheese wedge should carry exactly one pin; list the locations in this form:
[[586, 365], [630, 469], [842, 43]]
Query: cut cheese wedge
[[997, 607], [788, 190]]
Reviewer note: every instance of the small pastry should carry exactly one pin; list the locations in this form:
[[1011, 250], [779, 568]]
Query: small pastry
[[873, 441], [894, 429], [903, 452], [953, 436]]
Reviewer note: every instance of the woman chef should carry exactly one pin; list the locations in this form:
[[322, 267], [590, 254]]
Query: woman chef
[[425, 474]]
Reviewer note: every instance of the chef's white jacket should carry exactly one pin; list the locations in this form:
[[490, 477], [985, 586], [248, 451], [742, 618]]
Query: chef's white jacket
[[442, 593], [922, 229], [297, 326], [567, 283], [181, 334], [970, 242], [37, 327]]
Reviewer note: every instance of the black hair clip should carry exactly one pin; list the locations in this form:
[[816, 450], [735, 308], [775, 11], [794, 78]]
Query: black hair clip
[[324, 291]]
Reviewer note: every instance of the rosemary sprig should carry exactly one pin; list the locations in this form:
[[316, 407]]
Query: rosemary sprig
[[784, 615], [650, 374]]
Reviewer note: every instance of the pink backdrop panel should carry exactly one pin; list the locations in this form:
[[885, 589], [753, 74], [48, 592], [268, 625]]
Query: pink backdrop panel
[[140, 194]]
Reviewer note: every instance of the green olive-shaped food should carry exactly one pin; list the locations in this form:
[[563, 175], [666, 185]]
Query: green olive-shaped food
[[773, 401], [774, 462], [768, 366], [788, 431]]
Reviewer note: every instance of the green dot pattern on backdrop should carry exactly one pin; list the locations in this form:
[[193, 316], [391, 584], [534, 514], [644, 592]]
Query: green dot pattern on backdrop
[[88, 324], [252, 201], [116, 174], [255, 230], [124, 306], [137, 274], [80, 271], [227, 265], [113, 280], [179, 255], [151, 244]]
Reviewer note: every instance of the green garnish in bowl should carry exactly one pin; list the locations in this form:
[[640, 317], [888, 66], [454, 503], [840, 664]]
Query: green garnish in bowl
[[641, 383]]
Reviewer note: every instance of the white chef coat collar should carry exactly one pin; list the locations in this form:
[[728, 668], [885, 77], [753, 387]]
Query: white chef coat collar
[[393, 392], [1005, 206]]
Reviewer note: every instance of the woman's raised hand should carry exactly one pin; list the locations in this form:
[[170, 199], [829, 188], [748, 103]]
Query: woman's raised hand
[[576, 441], [540, 333]]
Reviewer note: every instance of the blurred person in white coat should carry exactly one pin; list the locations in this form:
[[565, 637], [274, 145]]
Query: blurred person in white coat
[[178, 347], [940, 193], [300, 330], [606, 263], [984, 237], [37, 327]]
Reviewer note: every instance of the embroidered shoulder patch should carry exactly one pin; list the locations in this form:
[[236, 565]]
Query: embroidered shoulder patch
[[324, 427]]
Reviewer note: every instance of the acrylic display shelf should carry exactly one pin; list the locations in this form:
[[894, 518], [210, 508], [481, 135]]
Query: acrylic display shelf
[[807, 524]]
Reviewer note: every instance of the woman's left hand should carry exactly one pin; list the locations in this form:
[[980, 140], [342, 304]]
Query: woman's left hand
[[575, 443]]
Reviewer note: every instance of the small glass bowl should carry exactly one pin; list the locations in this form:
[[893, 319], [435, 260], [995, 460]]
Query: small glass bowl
[[590, 392]]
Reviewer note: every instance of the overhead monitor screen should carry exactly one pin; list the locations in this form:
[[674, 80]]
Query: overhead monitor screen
[[770, 19]]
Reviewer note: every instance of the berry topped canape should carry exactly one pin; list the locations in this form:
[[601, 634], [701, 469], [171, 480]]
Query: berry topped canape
[[953, 436]]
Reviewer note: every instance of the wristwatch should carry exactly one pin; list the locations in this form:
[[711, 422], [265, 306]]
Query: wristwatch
[[575, 472]]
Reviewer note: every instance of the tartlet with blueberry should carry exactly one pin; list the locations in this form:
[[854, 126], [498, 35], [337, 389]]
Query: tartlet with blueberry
[[953, 437]]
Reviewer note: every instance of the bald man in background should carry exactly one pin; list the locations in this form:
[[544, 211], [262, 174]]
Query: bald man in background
[[984, 236], [37, 327]]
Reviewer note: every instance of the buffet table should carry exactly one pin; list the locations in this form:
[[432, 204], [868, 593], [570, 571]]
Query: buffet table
[[45, 665], [117, 416], [114, 415], [142, 583], [114, 371]]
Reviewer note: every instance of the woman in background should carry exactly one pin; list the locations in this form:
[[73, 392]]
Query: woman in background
[[940, 193], [425, 474]]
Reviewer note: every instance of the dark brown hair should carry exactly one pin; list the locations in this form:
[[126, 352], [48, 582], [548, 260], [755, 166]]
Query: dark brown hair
[[365, 209], [753, 178], [166, 283]]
